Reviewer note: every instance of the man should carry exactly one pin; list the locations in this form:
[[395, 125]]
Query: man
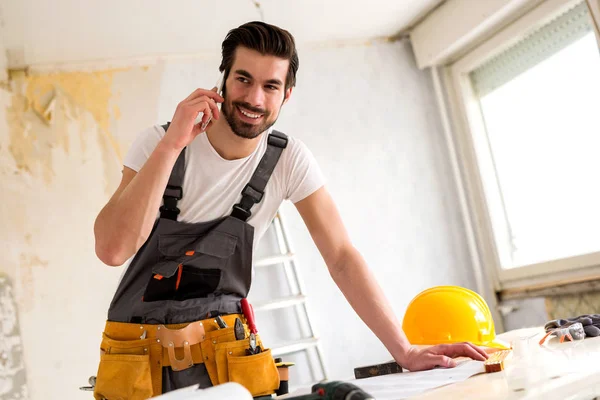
[[231, 173]]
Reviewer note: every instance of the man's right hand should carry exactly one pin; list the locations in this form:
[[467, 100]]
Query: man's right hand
[[182, 130]]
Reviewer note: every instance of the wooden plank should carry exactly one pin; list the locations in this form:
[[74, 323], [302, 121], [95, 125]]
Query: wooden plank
[[495, 363]]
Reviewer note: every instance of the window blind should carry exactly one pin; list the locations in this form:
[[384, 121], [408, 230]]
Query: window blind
[[539, 45]]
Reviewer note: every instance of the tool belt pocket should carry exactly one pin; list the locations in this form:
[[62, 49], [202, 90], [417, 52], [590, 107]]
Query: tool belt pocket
[[124, 370], [190, 266], [257, 372], [123, 376]]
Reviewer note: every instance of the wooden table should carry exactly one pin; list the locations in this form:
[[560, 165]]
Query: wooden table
[[569, 370]]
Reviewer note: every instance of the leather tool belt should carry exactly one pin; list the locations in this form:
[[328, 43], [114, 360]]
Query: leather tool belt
[[132, 357]]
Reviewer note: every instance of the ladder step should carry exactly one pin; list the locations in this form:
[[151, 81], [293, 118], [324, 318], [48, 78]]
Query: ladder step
[[282, 302], [278, 259], [294, 346], [293, 298]]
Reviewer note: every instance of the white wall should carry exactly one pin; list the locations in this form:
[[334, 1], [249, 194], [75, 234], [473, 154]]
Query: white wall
[[140, 29], [3, 62], [369, 117]]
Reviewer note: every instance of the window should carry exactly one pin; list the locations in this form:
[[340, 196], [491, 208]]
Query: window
[[533, 121]]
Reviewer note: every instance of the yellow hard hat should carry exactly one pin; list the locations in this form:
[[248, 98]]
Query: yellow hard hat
[[450, 314]]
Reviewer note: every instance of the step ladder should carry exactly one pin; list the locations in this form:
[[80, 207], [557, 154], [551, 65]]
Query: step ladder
[[296, 299]]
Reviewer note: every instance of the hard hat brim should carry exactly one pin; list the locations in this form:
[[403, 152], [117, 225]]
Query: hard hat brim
[[497, 344]]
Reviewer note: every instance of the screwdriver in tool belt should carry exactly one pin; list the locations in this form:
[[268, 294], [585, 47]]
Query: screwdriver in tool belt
[[248, 312]]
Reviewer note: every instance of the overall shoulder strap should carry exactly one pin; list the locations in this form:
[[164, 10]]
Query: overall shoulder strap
[[174, 190], [253, 191]]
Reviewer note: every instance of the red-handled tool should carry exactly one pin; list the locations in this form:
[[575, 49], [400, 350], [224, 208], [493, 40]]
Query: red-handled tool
[[248, 312]]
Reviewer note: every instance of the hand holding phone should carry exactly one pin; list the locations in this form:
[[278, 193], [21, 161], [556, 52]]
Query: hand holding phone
[[192, 117], [219, 86]]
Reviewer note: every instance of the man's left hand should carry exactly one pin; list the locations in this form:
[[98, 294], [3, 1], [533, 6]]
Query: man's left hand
[[420, 359]]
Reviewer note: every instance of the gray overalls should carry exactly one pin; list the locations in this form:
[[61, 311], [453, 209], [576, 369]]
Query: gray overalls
[[192, 271]]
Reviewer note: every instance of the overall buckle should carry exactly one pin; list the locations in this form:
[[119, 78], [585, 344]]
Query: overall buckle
[[173, 191], [239, 213], [255, 195]]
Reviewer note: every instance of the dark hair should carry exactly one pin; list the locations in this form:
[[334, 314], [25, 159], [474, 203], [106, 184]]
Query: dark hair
[[266, 39]]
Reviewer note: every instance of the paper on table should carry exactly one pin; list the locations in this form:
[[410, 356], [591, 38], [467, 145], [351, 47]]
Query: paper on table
[[406, 384]]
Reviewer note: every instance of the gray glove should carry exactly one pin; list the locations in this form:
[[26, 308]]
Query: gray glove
[[590, 322]]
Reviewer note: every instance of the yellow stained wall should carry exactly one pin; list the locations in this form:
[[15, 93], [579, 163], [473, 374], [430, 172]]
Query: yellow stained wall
[[58, 167], [45, 106]]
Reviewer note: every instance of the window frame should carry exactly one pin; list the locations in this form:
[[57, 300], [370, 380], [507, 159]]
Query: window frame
[[471, 149]]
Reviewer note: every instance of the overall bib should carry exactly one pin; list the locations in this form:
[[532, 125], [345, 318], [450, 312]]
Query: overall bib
[[161, 332]]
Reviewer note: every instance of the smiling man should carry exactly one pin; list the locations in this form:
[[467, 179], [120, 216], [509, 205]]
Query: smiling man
[[194, 201]]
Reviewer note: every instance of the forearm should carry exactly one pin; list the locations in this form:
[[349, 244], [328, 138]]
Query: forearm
[[352, 275], [125, 223]]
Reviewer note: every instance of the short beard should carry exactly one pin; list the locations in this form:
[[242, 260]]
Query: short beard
[[243, 129]]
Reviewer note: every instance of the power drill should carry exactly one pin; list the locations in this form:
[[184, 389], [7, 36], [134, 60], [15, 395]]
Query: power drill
[[335, 390]]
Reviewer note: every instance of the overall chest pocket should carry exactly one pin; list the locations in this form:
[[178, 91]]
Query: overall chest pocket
[[189, 266]]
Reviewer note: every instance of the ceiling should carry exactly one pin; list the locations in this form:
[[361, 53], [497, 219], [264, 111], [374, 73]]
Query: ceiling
[[43, 32]]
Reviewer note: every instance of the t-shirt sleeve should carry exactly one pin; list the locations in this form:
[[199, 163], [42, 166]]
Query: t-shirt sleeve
[[143, 145], [305, 174]]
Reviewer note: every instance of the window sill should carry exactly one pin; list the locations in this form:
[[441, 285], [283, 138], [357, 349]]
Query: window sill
[[552, 288]]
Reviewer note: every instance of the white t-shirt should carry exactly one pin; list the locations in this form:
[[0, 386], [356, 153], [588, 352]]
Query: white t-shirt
[[212, 184]]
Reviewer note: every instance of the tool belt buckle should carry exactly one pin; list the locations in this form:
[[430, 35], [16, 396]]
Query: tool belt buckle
[[185, 337]]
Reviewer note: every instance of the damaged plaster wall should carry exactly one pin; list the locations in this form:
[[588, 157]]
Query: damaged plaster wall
[[41, 116], [62, 137], [13, 382]]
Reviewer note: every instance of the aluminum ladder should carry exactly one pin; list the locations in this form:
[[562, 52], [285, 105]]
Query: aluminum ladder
[[296, 299]]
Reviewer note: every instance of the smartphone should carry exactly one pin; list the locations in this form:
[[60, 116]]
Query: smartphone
[[220, 83]]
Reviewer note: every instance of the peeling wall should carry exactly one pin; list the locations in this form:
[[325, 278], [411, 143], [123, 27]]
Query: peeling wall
[[55, 175], [13, 382], [46, 106]]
